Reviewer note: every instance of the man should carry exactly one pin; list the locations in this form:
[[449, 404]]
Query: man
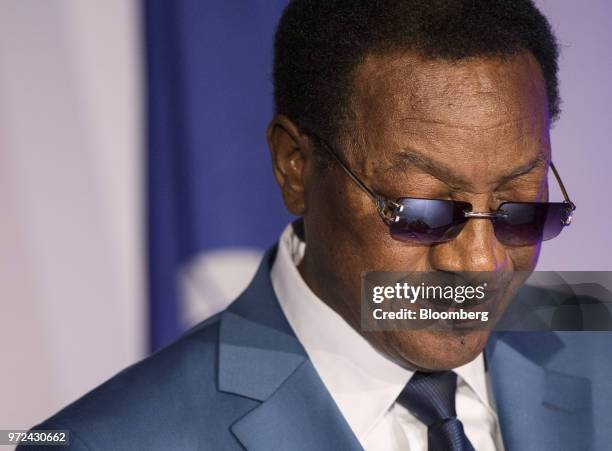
[[378, 102]]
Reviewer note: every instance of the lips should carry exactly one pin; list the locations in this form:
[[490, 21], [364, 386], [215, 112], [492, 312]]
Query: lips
[[490, 306], [446, 300]]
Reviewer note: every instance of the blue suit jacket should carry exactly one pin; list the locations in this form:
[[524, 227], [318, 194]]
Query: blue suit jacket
[[241, 380]]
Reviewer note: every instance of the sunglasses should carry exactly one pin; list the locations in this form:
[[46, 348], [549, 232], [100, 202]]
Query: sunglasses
[[428, 221]]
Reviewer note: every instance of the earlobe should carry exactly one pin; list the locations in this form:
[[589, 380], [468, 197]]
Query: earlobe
[[288, 154]]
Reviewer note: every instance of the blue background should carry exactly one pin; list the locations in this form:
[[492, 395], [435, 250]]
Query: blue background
[[210, 181]]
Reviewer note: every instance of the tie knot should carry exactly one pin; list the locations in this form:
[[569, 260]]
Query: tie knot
[[430, 396]]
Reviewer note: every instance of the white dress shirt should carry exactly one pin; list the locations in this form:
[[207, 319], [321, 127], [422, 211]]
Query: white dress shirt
[[363, 383]]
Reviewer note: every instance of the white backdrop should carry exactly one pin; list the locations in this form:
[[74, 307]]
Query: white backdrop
[[71, 291], [72, 301]]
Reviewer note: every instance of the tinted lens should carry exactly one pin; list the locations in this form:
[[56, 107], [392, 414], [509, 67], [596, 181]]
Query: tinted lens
[[528, 223], [429, 220]]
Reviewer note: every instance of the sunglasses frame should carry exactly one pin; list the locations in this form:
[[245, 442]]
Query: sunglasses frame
[[389, 209]]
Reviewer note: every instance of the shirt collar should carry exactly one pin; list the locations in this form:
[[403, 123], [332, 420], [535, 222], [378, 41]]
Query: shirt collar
[[363, 383]]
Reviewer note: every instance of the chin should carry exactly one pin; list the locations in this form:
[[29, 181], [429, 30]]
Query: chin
[[433, 350]]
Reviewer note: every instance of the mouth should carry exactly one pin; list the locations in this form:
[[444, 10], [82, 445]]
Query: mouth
[[479, 314], [440, 300]]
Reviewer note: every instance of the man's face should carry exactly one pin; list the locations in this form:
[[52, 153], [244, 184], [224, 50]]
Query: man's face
[[475, 130]]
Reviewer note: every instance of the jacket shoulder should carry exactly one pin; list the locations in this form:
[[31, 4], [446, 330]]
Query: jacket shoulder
[[168, 400]]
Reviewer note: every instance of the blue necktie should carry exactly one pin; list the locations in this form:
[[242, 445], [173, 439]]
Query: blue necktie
[[431, 398]]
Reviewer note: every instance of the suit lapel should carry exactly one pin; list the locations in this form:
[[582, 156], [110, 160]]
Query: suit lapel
[[260, 358], [254, 359], [538, 408], [299, 415]]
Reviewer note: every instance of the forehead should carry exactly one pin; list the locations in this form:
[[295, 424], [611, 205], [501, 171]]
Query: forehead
[[479, 109], [460, 92]]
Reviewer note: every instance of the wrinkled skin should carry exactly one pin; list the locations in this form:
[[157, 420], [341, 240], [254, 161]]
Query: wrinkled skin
[[475, 130]]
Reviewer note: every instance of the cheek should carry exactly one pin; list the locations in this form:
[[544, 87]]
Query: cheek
[[362, 241], [369, 247], [524, 258], [349, 237], [393, 255]]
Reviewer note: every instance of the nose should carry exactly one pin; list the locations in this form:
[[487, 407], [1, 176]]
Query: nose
[[475, 249]]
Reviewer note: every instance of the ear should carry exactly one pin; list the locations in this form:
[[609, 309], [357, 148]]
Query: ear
[[290, 152]]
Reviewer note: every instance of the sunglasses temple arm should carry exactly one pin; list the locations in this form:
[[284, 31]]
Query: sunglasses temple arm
[[355, 179], [560, 182]]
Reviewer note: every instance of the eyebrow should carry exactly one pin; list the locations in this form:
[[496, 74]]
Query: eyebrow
[[445, 172]]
